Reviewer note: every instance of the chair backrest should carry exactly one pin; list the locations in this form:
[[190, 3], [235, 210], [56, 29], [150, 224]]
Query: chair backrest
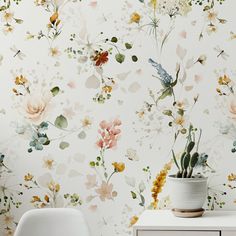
[[52, 222]]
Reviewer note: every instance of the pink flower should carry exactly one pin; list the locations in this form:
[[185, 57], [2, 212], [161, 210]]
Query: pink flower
[[115, 131], [103, 124], [100, 143], [117, 122], [112, 144], [105, 191], [109, 134]]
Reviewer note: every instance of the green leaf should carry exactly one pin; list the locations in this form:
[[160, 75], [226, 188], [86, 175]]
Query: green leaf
[[92, 164], [134, 195], [128, 45], [174, 83], [61, 122], [180, 112], [175, 160], [167, 112], [182, 160], [134, 58], [82, 135], [64, 145], [120, 57], [3, 8], [55, 91], [114, 40], [165, 93], [18, 21], [206, 8], [186, 161], [190, 146], [194, 159], [142, 200]]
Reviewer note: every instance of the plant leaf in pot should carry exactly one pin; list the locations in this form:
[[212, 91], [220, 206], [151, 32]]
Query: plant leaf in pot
[[188, 190]]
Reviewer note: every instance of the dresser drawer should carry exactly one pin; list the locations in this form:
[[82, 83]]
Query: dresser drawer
[[178, 233]]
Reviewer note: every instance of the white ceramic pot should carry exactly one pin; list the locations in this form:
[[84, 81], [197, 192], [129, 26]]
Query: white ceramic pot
[[187, 193]]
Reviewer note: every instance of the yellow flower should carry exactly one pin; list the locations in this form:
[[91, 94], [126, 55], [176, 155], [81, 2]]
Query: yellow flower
[[135, 18], [232, 177], [107, 89], [119, 167], [40, 2], [179, 120], [211, 28], [48, 163], [133, 221], [35, 199], [54, 187], [54, 52], [8, 16], [20, 80], [212, 16], [140, 113], [224, 80], [9, 232], [153, 4], [8, 219], [28, 177], [159, 183], [86, 122], [8, 29], [180, 104]]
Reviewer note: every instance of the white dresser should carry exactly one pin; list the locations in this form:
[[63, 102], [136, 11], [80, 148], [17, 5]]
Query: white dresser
[[163, 223]]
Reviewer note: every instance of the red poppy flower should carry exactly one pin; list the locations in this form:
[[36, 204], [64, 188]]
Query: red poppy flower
[[101, 58]]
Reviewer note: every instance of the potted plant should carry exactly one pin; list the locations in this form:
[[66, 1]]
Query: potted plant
[[188, 189]]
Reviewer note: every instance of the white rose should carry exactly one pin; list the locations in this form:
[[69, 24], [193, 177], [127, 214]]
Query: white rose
[[36, 106]]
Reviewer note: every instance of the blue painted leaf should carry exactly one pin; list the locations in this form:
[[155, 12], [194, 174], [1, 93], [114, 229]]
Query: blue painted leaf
[[165, 78]]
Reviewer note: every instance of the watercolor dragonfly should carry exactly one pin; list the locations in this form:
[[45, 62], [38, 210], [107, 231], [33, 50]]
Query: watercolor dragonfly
[[221, 53], [17, 53]]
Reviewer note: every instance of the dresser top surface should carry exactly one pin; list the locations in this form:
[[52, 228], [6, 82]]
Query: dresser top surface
[[164, 219]]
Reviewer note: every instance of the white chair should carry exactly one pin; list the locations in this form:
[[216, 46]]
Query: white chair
[[52, 222]]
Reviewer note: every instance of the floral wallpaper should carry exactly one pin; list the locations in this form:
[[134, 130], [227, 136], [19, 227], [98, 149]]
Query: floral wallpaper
[[96, 95]]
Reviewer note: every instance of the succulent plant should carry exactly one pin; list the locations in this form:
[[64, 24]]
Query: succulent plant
[[189, 158]]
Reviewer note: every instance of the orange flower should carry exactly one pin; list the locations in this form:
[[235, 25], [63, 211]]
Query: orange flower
[[35, 199], [135, 18], [119, 167], [46, 198], [54, 17]]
